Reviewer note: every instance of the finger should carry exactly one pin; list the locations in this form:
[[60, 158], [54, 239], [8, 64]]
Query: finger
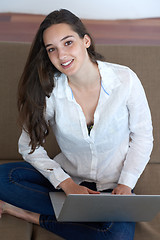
[[116, 192], [93, 192], [113, 192]]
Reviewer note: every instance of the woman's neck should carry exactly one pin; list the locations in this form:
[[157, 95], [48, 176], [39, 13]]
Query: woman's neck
[[87, 79]]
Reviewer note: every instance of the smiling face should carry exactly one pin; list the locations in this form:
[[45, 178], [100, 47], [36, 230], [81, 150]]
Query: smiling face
[[66, 50]]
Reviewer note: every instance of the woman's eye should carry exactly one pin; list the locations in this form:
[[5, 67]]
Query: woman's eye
[[68, 43], [51, 50]]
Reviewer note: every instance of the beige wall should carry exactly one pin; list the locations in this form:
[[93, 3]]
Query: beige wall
[[91, 9]]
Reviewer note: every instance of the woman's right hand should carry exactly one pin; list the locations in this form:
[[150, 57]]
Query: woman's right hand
[[70, 187]]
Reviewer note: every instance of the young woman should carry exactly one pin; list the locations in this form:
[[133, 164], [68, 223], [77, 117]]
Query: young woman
[[100, 116]]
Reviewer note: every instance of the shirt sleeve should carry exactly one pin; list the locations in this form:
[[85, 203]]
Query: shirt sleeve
[[39, 159], [140, 125]]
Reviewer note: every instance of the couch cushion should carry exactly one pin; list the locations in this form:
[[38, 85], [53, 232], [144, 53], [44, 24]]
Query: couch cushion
[[42, 234], [15, 228], [148, 230], [148, 184], [12, 61], [13, 57]]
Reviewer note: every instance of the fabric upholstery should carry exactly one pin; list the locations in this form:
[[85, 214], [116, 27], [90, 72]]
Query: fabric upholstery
[[144, 60]]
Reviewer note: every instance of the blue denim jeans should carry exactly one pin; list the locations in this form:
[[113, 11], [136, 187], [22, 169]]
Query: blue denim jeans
[[23, 186]]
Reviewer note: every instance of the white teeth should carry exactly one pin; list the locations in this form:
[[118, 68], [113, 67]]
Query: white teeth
[[67, 63]]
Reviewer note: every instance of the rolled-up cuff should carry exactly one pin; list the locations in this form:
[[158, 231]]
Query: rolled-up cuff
[[127, 179], [57, 177]]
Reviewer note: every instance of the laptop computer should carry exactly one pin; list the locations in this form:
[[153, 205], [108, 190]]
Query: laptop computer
[[104, 207]]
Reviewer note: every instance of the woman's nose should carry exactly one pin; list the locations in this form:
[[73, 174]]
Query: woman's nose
[[62, 54]]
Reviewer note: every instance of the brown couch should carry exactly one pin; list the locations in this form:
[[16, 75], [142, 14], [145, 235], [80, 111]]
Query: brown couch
[[145, 61]]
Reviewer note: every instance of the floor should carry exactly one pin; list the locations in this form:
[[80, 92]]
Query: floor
[[22, 28]]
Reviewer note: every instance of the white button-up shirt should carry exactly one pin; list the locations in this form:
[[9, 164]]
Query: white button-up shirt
[[120, 142]]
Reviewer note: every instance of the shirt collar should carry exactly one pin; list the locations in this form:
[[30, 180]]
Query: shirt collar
[[109, 78], [62, 88], [109, 81]]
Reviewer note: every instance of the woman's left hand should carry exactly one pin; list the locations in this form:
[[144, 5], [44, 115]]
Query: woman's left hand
[[122, 190]]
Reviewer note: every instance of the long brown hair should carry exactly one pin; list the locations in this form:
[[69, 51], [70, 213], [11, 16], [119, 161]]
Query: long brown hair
[[37, 80]]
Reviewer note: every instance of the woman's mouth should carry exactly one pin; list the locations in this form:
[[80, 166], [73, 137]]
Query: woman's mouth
[[67, 64]]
